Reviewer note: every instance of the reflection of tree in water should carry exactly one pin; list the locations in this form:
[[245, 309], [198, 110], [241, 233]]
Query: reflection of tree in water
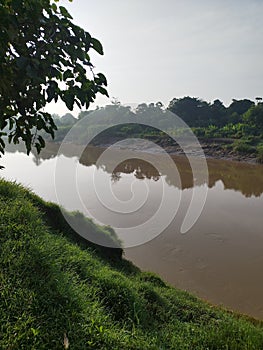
[[242, 177], [37, 159], [138, 167], [115, 177]]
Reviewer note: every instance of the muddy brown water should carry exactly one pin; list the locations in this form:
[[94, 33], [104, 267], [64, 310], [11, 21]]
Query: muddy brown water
[[220, 259]]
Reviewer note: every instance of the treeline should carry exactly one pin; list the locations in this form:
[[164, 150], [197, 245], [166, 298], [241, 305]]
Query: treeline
[[195, 112], [240, 118], [241, 122], [199, 113]]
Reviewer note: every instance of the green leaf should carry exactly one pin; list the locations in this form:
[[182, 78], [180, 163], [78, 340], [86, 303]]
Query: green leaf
[[10, 138], [3, 123], [40, 124], [28, 146], [97, 46], [54, 7], [31, 72], [2, 143], [65, 12], [50, 93], [21, 62], [68, 74], [69, 100], [41, 141], [38, 147], [102, 78], [11, 123], [103, 91]]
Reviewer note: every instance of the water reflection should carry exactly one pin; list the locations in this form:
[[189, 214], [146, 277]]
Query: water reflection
[[138, 167], [242, 177]]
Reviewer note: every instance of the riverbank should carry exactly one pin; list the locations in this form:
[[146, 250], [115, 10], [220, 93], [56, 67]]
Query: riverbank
[[211, 148], [58, 291], [224, 149]]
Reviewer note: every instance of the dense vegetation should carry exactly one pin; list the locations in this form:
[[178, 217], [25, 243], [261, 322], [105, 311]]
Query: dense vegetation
[[58, 291], [238, 127], [241, 121]]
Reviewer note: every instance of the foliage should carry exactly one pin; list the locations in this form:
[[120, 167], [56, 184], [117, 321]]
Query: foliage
[[260, 153], [194, 111], [43, 57], [199, 113], [55, 289], [240, 106], [241, 121], [254, 118], [243, 146]]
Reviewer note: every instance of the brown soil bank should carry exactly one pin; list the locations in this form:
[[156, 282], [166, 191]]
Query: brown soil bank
[[217, 148]]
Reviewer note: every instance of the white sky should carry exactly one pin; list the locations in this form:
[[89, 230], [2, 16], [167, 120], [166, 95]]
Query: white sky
[[156, 50]]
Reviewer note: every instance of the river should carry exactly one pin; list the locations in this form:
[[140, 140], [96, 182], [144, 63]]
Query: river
[[220, 259]]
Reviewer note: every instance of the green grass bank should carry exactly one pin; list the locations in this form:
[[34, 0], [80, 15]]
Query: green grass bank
[[57, 291]]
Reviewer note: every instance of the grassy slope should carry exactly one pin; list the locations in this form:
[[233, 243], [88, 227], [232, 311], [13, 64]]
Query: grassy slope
[[52, 283]]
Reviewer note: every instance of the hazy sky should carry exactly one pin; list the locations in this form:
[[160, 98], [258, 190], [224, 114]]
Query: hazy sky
[[157, 50]]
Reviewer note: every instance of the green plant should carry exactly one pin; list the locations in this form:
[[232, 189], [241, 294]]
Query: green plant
[[260, 153], [243, 147]]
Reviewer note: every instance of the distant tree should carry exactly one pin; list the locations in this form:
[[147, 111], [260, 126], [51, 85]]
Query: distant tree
[[149, 111], [159, 104], [240, 106], [218, 115], [141, 107], [83, 114], [259, 99], [115, 101], [194, 111], [254, 118], [43, 57], [68, 119], [55, 116]]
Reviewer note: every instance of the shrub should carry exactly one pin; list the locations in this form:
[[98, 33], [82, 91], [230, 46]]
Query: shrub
[[243, 146], [260, 153]]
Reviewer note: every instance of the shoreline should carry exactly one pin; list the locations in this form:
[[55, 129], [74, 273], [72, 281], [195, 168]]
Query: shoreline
[[213, 152]]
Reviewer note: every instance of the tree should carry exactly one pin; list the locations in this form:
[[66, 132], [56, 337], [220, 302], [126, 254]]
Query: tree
[[43, 57], [259, 100], [194, 111], [83, 114], [218, 113], [240, 106], [68, 119], [254, 118]]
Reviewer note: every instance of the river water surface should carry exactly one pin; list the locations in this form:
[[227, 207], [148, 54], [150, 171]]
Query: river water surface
[[220, 259]]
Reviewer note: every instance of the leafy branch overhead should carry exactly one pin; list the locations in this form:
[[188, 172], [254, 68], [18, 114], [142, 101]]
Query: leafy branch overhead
[[43, 57]]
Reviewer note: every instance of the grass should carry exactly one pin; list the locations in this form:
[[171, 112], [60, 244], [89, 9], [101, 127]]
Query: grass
[[59, 291]]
